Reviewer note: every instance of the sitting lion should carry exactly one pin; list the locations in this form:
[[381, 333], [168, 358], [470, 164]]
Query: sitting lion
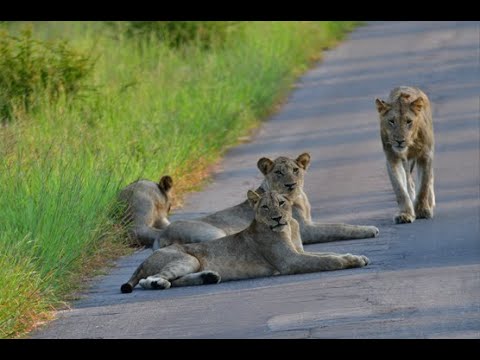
[[147, 205], [406, 130], [284, 175], [271, 245]]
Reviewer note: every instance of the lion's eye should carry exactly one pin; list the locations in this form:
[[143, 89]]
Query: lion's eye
[[278, 172], [295, 170], [264, 207], [409, 122], [281, 203], [391, 122]]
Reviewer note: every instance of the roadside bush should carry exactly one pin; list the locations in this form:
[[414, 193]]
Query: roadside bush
[[179, 33], [32, 71]]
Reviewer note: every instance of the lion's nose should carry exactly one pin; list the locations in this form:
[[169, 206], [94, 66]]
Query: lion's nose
[[277, 219], [290, 186], [400, 142]]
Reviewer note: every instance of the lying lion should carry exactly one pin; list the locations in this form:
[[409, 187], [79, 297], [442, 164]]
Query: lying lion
[[284, 175], [146, 207], [270, 245]]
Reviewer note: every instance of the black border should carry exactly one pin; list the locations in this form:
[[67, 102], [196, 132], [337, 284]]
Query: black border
[[201, 10]]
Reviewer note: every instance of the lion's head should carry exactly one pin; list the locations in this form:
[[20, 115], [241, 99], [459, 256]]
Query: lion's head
[[163, 207], [285, 175], [271, 209], [400, 120]]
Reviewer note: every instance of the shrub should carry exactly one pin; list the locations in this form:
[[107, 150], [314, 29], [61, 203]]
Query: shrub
[[179, 33], [32, 70]]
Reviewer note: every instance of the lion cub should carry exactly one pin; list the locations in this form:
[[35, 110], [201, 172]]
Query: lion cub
[[406, 130], [147, 205], [271, 245]]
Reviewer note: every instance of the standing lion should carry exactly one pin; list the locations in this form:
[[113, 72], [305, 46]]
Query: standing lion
[[406, 131]]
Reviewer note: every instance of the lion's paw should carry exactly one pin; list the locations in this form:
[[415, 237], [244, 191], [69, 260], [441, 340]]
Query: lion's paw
[[356, 260], [211, 277], [365, 259], [424, 212], [157, 283], [374, 231], [404, 218]]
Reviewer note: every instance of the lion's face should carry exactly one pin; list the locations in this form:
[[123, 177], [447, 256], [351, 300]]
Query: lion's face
[[285, 175], [271, 209], [400, 121]]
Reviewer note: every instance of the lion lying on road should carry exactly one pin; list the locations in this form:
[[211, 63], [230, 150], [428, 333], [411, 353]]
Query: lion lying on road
[[271, 245], [147, 205], [284, 175]]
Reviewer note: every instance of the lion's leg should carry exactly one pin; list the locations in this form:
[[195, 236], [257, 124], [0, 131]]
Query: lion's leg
[[144, 235], [162, 241], [431, 196], [188, 231], [171, 271], [312, 233], [324, 253], [398, 178], [408, 167], [198, 278], [425, 201], [312, 262], [168, 263]]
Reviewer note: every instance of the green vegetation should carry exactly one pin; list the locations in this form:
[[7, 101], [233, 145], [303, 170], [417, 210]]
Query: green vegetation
[[148, 109], [31, 68], [206, 34]]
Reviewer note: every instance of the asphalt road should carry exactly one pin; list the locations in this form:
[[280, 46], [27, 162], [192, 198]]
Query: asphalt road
[[424, 278]]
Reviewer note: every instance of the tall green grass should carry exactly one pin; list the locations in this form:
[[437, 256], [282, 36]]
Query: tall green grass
[[153, 110]]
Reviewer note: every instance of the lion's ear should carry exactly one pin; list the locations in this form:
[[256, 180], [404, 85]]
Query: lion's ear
[[417, 105], [253, 197], [303, 160], [382, 106], [165, 184], [265, 165]]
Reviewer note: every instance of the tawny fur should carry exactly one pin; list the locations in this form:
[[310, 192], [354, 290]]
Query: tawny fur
[[270, 245], [406, 131], [146, 208], [284, 175]]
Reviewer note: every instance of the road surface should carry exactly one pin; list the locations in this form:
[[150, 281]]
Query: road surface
[[424, 278]]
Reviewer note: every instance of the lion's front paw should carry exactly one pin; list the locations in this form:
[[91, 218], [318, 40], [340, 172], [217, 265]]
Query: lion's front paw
[[374, 231], [365, 259], [424, 212], [404, 218], [356, 260]]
